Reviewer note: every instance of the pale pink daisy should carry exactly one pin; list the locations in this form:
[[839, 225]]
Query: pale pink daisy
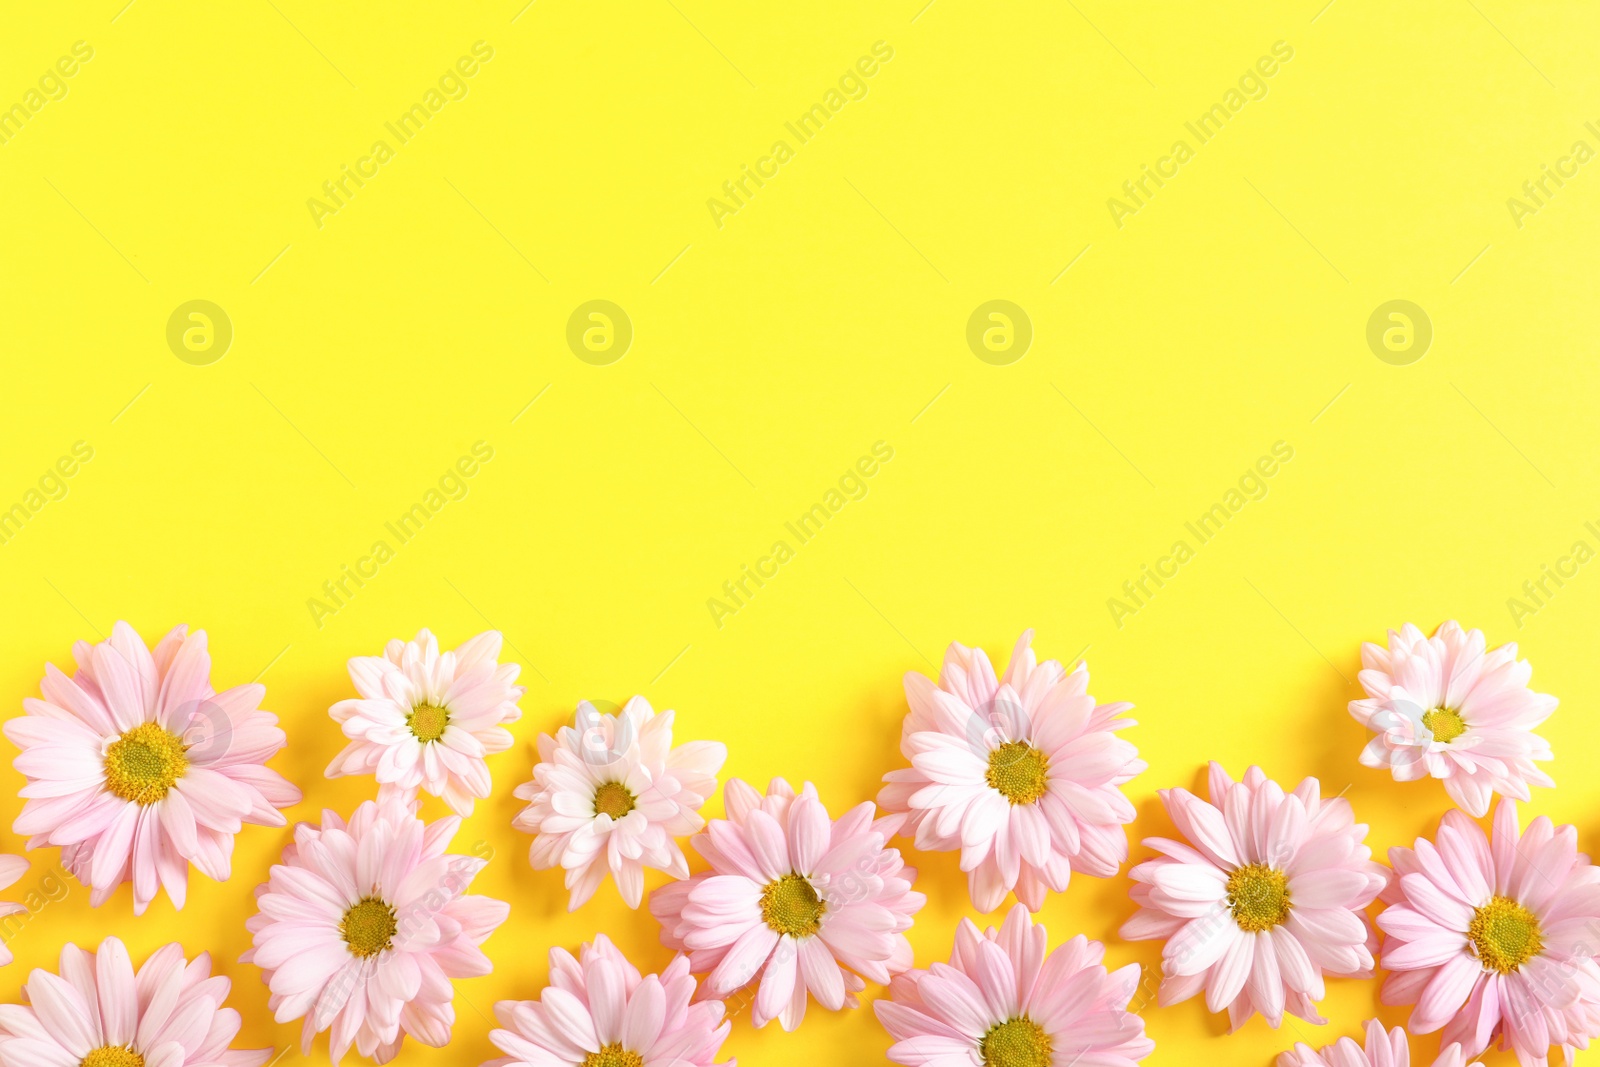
[[427, 720], [137, 768], [1002, 1001], [1020, 773], [1382, 1050], [598, 1011], [609, 796], [793, 899], [1496, 939], [1444, 707], [1262, 899], [99, 1012], [362, 926]]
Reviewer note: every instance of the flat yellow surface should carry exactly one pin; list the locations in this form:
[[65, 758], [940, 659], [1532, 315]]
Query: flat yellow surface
[[775, 339]]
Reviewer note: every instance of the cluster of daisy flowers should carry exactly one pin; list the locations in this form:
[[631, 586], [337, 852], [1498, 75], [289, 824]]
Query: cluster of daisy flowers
[[138, 770]]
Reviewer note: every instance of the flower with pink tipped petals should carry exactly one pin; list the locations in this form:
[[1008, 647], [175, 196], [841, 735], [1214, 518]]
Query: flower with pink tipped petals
[[794, 899], [1383, 1050], [1020, 773], [1496, 939], [1442, 706], [137, 768], [363, 924], [611, 794], [1262, 898], [99, 1012], [427, 720], [1001, 1001], [598, 1011]]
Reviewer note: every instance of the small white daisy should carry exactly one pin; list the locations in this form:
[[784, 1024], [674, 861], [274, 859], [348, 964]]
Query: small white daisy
[[1448, 707], [610, 795], [427, 720]]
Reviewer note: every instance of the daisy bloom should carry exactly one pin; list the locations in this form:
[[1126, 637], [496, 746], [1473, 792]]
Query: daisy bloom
[[793, 899], [1383, 1050], [137, 768], [599, 1012], [1262, 898], [363, 924], [1496, 939], [1001, 1001], [1019, 773], [1443, 707], [427, 720], [609, 796], [100, 1012]]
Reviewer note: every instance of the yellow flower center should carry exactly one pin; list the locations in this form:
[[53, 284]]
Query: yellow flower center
[[1259, 897], [613, 799], [1018, 1042], [112, 1056], [613, 1055], [1505, 935], [791, 906], [369, 927], [143, 763], [1017, 772], [1446, 724], [427, 722]]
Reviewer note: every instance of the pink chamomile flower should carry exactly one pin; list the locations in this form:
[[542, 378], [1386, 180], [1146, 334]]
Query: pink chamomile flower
[[1263, 897], [598, 1011], [100, 1012], [610, 795], [137, 768], [1006, 1000], [1021, 774], [1382, 1050], [795, 900], [427, 720], [1443, 707], [1495, 939], [363, 924]]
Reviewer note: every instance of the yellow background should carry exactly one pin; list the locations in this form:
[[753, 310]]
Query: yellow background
[[768, 355]]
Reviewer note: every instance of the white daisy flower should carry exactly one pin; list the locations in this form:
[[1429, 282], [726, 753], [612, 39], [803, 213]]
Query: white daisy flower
[[427, 720], [610, 795]]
